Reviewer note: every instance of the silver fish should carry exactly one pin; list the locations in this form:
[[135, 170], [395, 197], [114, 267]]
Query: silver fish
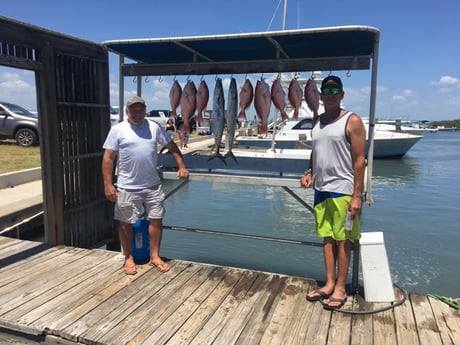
[[231, 116], [218, 118]]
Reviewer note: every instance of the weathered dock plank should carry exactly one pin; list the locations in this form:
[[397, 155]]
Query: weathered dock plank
[[65, 295]]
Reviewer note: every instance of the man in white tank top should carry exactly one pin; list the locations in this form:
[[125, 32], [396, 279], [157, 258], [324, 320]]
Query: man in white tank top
[[336, 172]]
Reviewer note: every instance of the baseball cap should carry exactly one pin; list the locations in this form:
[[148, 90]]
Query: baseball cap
[[134, 100], [332, 81]]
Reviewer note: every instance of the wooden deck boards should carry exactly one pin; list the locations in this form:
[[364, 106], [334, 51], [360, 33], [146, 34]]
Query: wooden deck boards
[[64, 295]]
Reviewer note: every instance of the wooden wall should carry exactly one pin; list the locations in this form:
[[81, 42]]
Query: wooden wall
[[72, 81]]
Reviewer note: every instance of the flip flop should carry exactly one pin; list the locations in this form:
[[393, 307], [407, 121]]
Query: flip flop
[[130, 270], [320, 295], [334, 307], [161, 266]]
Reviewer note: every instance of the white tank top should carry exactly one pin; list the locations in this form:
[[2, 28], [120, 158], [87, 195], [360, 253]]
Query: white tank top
[[332, 160]]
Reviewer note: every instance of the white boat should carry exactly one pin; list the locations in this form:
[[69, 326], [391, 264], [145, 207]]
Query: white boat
[[412, 127], [295, 134]]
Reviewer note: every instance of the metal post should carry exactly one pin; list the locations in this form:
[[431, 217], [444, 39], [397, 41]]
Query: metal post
[[355, 269]]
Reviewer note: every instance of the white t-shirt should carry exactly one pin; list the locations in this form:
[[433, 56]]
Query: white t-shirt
[[137, 153]]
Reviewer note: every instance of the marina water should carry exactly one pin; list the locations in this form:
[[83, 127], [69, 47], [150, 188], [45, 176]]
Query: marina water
[[416, 206]]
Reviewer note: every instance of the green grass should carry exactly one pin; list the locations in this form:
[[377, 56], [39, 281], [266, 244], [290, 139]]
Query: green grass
[[14, 157]]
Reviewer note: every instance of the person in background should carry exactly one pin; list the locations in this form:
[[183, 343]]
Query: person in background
[[182, 136], [170, 128], [336, 172], [138, 188]]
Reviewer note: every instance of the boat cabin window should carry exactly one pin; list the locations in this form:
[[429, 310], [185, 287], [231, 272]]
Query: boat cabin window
[[304, 124]]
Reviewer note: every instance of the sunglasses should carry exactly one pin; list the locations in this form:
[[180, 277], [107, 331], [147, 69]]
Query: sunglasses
[[334, 91]]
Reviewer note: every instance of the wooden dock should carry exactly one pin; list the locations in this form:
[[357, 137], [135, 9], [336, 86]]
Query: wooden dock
[[66, 295]]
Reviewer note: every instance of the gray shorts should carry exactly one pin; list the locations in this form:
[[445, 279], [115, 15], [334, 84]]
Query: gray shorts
[[132, 204]]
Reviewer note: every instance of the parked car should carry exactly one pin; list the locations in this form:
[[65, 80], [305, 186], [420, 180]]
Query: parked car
[[159, 116], [19, 124]]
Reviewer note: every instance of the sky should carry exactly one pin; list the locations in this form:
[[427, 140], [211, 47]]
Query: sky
[[418, 67]]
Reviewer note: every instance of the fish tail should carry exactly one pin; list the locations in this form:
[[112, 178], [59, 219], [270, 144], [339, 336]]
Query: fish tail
[[173, 113], [230, 154], [186, 127], [295, 116], [218, 155], [242, 115], [284, 116], [263, 128]]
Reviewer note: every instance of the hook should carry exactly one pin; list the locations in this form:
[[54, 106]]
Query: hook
[[246, 76], [160, 79], [147, 80], [134, 79], [201, 78], [217, 77], [312, 75], [278, 76], [188, 77], [349, 74]]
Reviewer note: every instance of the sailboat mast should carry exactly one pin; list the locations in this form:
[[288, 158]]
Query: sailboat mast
[[285, 14]]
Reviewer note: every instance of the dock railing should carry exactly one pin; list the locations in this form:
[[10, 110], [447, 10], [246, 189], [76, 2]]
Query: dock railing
[[284, 183]]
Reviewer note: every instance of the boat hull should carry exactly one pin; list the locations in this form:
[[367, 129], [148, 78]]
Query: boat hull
[[393, 145]]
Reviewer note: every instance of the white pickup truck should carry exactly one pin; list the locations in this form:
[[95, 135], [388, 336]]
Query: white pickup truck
[[159, 116]]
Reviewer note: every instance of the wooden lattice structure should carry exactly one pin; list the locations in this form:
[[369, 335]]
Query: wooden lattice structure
[[72, 83]]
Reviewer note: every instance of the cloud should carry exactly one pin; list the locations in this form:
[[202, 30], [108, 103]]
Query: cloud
[[447, 83]]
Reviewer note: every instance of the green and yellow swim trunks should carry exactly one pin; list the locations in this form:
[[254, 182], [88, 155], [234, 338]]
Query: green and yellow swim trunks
[[330, 211]]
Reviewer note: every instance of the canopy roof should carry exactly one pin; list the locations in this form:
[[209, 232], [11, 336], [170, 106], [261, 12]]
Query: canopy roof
[[332, 48]]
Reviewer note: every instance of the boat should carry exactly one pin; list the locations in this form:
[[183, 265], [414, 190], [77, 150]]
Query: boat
[[295, 134], [412, 127]]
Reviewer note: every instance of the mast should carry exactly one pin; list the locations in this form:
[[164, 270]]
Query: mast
[[285, 14]]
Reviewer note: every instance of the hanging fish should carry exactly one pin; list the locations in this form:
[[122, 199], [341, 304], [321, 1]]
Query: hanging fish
[[295, 97], [231, 117], [174, 97], [246, 97], [202, 97], [188, 104], [262, 103], [279, 99], [312, 97], [218, 118]]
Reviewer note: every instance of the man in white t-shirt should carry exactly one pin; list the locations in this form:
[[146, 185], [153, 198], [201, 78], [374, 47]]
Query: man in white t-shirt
[[135, 142]]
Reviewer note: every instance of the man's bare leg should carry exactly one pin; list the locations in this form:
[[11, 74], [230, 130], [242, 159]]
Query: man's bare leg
[[126, 235], [155, 234]]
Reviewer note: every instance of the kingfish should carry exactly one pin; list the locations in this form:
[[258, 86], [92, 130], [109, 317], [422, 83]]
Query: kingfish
[[218, 118], [202, 97], [295, 97], [246, 97], [279, 98], [188, 104], [231, 117], [262, 103], [174, 97], [312, 97]]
